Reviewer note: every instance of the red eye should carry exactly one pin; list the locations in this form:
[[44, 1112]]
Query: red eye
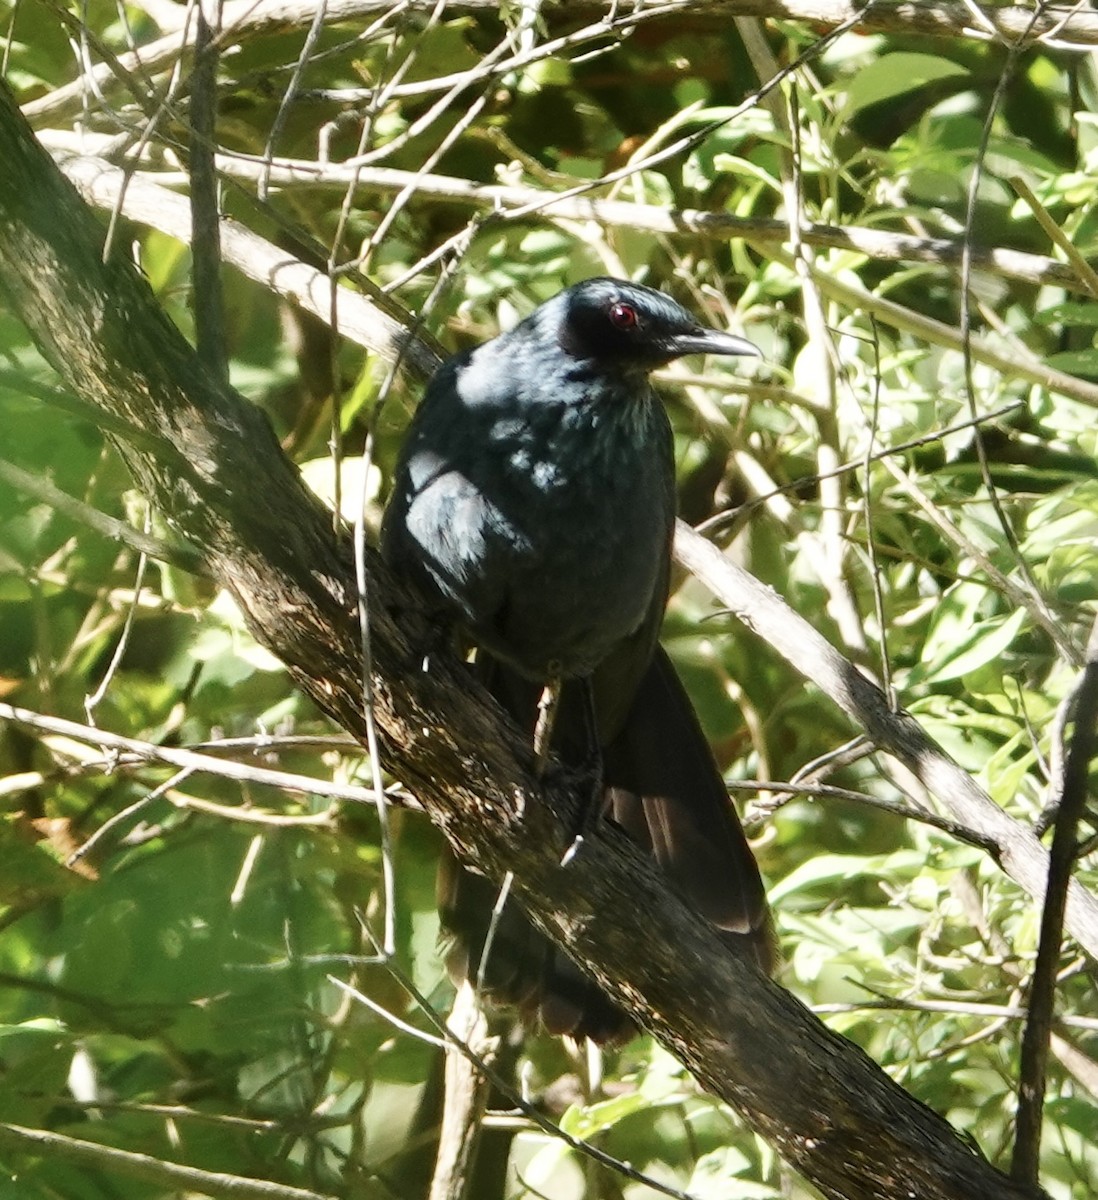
[[623, 316]]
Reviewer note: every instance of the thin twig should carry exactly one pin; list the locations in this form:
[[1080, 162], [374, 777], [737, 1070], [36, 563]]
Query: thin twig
[[1087, 274], [720, 520], [785, 792], [958, 1008], [125, 815], [1065, 26], [209, 314], [167, 1176], [99, 183], [533, 1114], [1042, 993], [1036, 599], [92, 701], [189, 759]]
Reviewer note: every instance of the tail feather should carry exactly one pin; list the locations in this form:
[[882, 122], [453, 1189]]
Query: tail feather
[[664, 788], [667, 791]]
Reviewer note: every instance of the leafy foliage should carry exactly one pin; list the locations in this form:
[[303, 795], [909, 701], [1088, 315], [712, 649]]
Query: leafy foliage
[[172, 991]]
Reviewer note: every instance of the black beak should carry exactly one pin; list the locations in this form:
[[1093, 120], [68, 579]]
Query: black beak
[[709, 341]]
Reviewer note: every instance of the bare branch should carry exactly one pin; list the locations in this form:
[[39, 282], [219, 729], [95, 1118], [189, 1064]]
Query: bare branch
[[1042, 996], [153, 1170], [1061, 25], [185, 557], [189, 760], [369, 324]]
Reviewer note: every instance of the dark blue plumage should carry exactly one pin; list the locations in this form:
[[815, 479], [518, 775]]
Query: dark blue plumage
[[534, 503], [536, 489]]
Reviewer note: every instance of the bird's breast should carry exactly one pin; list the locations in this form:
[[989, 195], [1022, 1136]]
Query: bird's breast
[[587, 530], [540, 513]]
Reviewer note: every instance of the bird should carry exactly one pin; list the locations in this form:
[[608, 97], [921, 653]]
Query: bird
[[533, 506]]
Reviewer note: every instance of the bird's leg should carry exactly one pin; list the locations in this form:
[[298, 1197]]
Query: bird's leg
[[591, 807], [543, 728]]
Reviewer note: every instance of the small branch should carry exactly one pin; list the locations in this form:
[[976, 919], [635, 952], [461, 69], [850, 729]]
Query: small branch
[[878, 244], [386, 1014], [1042, 992], [185, 759], [249, 816], [367, 323], [165, 1175], [1088, 277], [465, 1098], [785, 792], [55, 397], [733, 516], [956, 1008], [380, 326], [1020, 363], [205, 241], [180, 554], [1019, 595]]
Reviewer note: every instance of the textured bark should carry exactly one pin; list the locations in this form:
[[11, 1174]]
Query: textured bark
[[210, 461]]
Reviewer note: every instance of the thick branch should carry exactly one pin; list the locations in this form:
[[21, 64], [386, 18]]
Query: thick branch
[[210, 461]]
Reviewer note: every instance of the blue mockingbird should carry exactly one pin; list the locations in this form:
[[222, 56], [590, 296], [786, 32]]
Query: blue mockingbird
[[534, 503]]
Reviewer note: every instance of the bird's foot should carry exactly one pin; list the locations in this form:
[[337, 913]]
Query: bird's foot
[[591, 805], [573, 850], [543, 727]]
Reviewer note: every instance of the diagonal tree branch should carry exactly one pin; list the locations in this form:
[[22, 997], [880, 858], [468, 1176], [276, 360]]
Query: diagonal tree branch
[[1016, 848], [211, 462], [151, 1170]]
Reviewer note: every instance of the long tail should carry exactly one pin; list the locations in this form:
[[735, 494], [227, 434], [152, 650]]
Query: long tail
[[663, 786]]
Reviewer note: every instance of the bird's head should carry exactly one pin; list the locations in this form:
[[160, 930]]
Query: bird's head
[[627, 326]]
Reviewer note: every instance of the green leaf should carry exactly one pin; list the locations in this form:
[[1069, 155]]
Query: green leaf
[[894, 75], [1075, 362], [987, 644], [590, 1119], [1070, 312]]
